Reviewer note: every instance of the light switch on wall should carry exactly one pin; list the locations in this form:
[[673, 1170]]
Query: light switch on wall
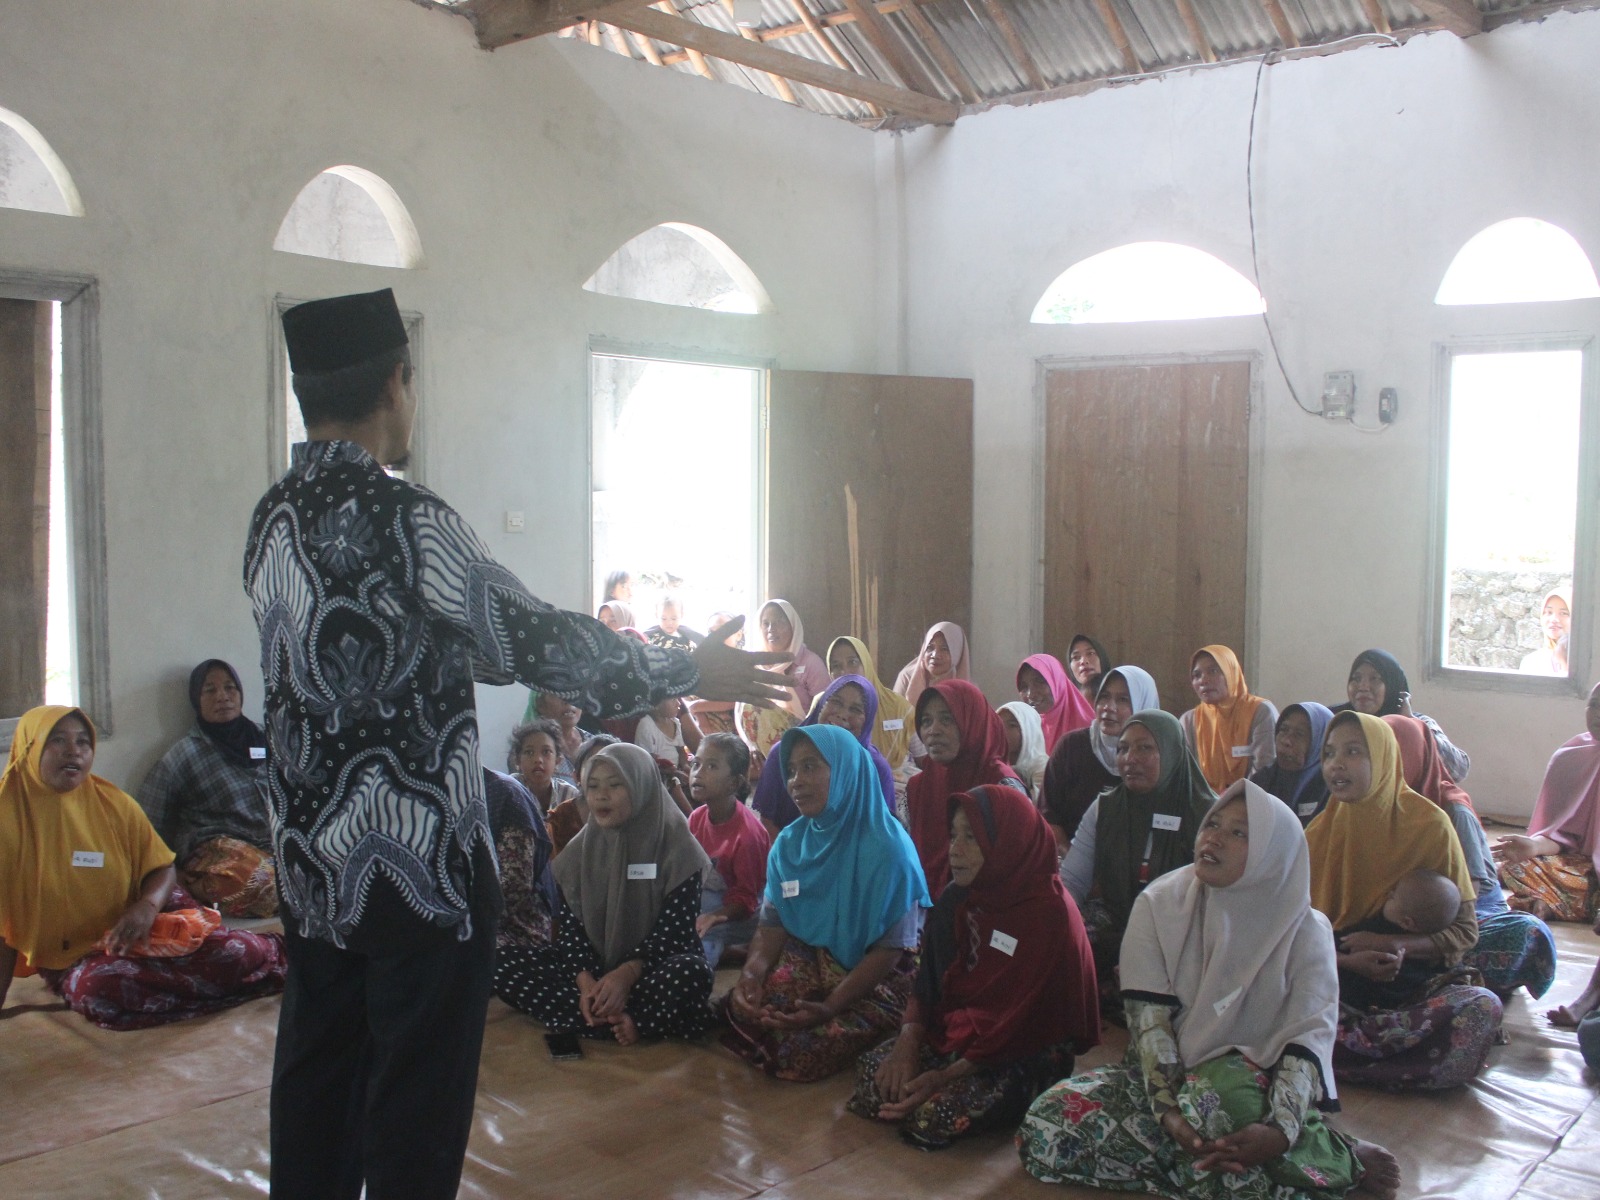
[[513, 522]]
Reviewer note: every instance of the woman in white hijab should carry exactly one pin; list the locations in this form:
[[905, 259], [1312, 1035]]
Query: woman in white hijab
[[626, 962], [1232, 997], [1084, 763], [1025, 744]]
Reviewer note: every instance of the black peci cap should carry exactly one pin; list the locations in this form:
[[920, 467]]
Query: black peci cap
[[327, 335]]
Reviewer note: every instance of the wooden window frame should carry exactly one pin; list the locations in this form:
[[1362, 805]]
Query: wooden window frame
[[84, 463]]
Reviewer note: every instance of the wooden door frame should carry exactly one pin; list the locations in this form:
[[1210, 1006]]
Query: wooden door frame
[[659, 352], [1256, 456]]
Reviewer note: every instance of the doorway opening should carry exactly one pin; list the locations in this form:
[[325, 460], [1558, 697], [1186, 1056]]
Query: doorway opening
[[677, 484]]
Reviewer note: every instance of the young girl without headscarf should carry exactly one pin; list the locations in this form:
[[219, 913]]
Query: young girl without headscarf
[[626, 962], [1025, 752], [89, 898], [1084, 763], [831, 964], [1043, 683], [1514, 949], [1232, 999], [849, 703], [943, 656], [966, 747], [1375, 831], [207, 798], [1231, 732], [783, 632], [1377, 686], [1135, 832], [1005, 996], [1295, 777], [735, 840]]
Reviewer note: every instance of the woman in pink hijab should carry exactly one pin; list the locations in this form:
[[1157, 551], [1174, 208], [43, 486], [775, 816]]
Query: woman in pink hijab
[[943, 656], [1042, 681]]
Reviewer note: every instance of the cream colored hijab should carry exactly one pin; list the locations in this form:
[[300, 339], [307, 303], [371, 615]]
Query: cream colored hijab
[[1252, 965], [593, 871]]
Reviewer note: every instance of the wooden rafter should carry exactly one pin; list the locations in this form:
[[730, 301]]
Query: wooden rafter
[[1280, 22], [691, 35], [1197, 35], [1019, 52], [825, 40], [888, 43], [1460, 17], [778, 82], [651, 54], [696, 59], [1119, 36], [941, 52], [1376, 17], [501, 22]]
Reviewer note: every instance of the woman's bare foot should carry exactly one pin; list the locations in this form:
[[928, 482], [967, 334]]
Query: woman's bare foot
[[1382, 1177], [1588, 1001], [625, 1031]]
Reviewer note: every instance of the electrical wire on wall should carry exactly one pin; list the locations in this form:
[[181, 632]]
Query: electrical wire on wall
[[1250, 206]]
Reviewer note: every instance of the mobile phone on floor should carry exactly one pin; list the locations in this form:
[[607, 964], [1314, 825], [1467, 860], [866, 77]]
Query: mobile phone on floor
[[564, 1047]]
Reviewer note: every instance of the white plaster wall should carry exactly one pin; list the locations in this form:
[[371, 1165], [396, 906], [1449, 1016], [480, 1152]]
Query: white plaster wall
[[1373, 167], [190, 126]]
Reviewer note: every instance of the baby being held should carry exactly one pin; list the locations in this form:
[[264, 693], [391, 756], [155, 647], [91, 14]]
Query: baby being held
[[1422, 902]]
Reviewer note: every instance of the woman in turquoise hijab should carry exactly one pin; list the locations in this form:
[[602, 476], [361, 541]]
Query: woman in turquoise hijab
[[833, 959]]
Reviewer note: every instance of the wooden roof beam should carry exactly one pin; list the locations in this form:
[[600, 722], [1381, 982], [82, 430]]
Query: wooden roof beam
[[1460, 17], [1376, 17], [888, 43], [1280, 22], [1019, 52], [691, 35], [1119, 36], [501, 22], [825, 40], [941, 52], [1197, 35]]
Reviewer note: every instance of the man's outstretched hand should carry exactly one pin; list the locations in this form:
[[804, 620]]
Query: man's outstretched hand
[[736, 675]]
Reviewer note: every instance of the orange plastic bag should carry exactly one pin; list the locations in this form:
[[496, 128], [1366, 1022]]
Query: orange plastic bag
[[172, 934]]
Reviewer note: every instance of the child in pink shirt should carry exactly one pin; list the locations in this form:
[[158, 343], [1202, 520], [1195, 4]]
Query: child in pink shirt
[[735, 840]]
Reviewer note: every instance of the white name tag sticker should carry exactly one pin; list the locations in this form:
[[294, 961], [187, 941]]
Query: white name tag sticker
[[1226, 1002], [791, 888], [641, 870], [1307, 808], [1241, 751], [258, 752], [897, 723], [1003, 942], [1166, 821], [88, 858]]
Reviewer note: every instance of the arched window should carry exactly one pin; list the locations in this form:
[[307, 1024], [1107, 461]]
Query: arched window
[[1517, 261], [1147, 281], [32, 176], [349, 214], [681, 264]]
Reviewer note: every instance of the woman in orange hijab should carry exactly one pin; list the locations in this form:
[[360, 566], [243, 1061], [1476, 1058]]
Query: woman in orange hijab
[[1232, 733], [84, 882]]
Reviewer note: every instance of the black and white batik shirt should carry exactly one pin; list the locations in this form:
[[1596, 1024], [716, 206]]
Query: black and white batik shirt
[[378, 608]]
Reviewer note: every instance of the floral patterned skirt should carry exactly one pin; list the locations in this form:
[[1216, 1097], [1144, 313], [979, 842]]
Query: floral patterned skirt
[[992, 1097], [230, 967], [805, 972], [1439, 1042], [1098, 1130], [1515, 949], [1557, 887], [231, 876]]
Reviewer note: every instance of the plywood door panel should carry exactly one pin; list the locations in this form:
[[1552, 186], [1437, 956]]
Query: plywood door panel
[[869, 506], [1145, 513], [24, 501]]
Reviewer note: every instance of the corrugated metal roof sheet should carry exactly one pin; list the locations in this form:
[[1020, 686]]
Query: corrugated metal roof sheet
[[1067, 39]]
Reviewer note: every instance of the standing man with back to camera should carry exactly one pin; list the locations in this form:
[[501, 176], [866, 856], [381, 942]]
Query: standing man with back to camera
[[378, 608]]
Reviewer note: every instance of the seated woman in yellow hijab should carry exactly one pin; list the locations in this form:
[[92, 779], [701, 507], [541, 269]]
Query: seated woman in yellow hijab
[[89, 898]]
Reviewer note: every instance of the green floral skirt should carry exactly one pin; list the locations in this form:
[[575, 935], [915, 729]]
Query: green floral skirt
[[1097, 1130]]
